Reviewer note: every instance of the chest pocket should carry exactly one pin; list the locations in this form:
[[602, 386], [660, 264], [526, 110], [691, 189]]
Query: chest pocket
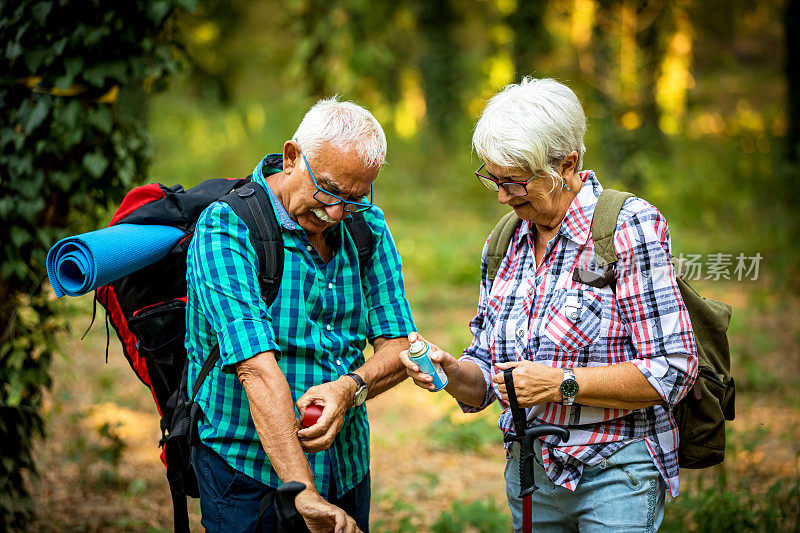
[[574, 318]]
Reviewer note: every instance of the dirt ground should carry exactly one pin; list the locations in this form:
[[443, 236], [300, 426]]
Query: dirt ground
[[100, 468]]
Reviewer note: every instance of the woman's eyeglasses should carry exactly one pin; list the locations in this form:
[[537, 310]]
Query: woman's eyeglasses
[[514, 188]]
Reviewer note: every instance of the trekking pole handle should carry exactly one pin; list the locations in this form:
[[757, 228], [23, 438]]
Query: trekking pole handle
[[527, 455], [526, 437]]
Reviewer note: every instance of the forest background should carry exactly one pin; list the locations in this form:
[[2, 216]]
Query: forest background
[[689, 106]]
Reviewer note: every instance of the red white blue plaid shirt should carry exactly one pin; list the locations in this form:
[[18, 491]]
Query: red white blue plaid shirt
[[542, 315]]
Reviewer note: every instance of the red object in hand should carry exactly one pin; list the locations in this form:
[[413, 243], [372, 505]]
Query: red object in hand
[[313, 413]]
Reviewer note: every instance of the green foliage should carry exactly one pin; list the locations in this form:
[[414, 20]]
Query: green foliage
[[718, 508], [469, 436], [439, 63], [113, 446], [349, 47], [480, 516], [71, 140], [402, 513]]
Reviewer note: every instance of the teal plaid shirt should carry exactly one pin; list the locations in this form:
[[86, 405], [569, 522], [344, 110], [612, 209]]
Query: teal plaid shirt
[[318, 326]]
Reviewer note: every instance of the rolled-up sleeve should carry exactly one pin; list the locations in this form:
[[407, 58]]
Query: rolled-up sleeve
[[652, 308], [478, 350], [223, 271], [389, 314]]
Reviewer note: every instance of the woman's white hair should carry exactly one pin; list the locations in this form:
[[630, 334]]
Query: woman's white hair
[[343, 124], [532, 126]]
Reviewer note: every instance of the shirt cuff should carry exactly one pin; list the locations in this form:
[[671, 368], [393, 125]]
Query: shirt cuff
[[487, 378], [386, 320], [657, 371], [244, 338]]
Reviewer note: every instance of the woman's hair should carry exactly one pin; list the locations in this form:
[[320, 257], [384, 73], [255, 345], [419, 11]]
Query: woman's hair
[[532, 126], [342, 124]]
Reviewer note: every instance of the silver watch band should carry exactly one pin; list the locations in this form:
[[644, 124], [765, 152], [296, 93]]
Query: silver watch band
[[569, 375]]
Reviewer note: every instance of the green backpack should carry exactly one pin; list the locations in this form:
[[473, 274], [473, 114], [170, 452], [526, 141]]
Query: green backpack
[[701, 415]]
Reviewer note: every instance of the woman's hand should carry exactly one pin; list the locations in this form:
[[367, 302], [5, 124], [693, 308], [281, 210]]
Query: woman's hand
[[534, 383], [449, 363]]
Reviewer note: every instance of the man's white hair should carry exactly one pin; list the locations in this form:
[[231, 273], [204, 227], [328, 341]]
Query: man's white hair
[[532, 126], [344, 125]]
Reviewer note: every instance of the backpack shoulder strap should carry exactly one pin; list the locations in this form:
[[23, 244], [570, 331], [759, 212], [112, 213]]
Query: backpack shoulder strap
[[251, 203], [604, 223], [498, 243], [363, 238]]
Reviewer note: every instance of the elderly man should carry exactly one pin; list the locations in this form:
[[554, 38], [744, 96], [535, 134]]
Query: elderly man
[[307, 346]]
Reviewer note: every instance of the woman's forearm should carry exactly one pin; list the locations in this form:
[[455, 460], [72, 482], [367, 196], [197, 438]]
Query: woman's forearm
[[620, 386], [467, 384]]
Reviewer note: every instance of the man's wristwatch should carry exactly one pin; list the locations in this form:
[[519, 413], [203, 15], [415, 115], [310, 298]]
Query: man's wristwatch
[[361, 392], [569, 387]]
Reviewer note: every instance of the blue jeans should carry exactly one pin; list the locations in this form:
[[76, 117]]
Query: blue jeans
[[623, 493], [229, 499]]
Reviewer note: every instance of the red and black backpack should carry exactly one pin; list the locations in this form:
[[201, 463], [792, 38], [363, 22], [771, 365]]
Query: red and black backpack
[[147, 308]]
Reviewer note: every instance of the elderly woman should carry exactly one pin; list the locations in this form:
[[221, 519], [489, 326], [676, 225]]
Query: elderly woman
[[625, 353]]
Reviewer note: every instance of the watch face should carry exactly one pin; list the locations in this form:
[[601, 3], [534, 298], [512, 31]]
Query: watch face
[[361, 396], [569, 388]]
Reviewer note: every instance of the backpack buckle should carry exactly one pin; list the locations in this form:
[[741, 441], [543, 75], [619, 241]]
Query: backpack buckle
[[607, 278], [194, 417], [245, 191]]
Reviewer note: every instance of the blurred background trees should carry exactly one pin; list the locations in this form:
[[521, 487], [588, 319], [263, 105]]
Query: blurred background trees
[[689, 102]]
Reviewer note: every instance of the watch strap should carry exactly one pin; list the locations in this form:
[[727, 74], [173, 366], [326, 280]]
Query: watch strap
[[569, 375], [358, 379], [361, 391]]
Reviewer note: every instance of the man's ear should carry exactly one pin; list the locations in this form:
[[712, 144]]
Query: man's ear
[[291, 156]]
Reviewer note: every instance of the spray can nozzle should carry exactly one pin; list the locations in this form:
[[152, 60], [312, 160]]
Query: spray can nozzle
[[417, 346]]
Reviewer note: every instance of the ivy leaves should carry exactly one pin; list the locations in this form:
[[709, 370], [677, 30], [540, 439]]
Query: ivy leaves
[[71, 142]]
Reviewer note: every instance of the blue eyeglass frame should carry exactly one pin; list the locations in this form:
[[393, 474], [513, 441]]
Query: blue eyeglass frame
[[359, 206]]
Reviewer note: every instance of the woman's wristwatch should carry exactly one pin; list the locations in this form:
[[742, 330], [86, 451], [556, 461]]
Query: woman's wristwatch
[[569, 387]]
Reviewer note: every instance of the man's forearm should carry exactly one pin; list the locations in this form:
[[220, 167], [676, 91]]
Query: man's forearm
[[384, 370], [272, 409]]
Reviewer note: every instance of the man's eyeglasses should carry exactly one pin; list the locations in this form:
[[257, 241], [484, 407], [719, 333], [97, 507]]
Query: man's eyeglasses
[[514, 188], [328, 198]]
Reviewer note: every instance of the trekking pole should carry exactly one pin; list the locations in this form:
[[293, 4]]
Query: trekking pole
[[526, 437], [289, 520]]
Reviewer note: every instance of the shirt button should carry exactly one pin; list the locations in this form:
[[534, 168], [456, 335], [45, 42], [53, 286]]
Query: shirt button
[[521, 332], [574, 315], [338, 361], [309, 248], [530, 290], [328, 327], [330, 285]]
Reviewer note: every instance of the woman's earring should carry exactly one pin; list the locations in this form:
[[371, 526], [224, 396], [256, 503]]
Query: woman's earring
[[564, 185]]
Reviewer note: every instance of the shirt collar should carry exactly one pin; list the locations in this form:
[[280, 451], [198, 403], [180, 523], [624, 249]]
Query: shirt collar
[[272, 163], [577, 223]]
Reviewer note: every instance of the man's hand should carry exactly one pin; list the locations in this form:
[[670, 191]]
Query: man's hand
[[335, 398], [437, 355], [322, 517], [534, 383]]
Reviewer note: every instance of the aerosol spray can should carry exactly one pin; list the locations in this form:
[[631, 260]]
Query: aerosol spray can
[[419, 353]]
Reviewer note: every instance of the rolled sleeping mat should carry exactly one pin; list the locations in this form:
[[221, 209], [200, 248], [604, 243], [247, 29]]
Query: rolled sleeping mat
[[79, 264]]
